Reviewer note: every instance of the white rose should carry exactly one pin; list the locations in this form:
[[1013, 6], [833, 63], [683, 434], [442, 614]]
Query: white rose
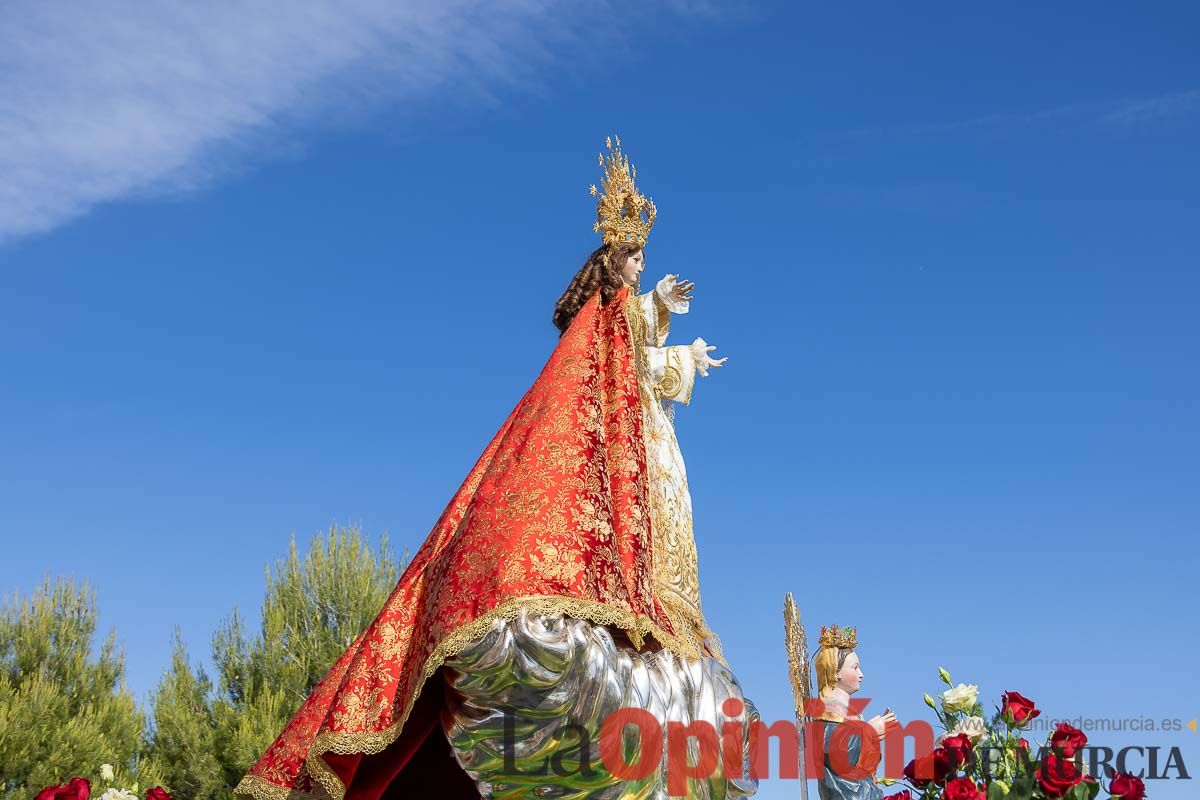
[[960, 698], [106, 773], [974, 727], [118, 794]]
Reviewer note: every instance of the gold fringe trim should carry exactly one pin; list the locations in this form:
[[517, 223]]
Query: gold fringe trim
[[639, 628], [259, 789]]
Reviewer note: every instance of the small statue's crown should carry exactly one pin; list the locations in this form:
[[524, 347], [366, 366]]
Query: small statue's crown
[[623, 215], [841, 638]]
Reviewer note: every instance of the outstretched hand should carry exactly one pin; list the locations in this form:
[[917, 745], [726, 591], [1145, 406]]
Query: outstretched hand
[[700, 353], [713, 362], [682, 290]]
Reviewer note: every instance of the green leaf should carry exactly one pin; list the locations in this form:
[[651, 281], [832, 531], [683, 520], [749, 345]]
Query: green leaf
[[1022, 789], [1085, 790], [997, 789]]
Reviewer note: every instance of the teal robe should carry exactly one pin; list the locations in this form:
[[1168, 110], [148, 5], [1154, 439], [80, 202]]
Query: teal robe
[[835, 787]]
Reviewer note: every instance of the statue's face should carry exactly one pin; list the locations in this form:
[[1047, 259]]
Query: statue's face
[[850, 676], [633, 268]]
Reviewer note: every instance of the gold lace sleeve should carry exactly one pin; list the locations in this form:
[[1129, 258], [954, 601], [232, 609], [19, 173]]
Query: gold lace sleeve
[[662, 319]]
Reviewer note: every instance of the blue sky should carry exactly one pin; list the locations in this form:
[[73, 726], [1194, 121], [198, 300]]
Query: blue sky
[[261, 275]]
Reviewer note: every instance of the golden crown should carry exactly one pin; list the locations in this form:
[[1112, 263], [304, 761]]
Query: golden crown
[[841, 638], [623, 215]]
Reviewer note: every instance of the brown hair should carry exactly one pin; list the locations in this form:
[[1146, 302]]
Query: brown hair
[[596, 273]]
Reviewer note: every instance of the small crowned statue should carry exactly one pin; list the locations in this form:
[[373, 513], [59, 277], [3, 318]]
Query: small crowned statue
[[851, 750]]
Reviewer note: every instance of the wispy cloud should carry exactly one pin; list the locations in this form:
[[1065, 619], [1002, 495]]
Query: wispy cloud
[[105, 100], [1144, 113], [827, 154], [983, 123]]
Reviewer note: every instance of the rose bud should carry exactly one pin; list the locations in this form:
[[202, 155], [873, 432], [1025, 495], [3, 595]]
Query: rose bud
[[1127, 787], [1067, 739], [1016, 709]]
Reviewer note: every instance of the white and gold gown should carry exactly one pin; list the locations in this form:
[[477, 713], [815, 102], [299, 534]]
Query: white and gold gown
[[532, 695], [668, 377]]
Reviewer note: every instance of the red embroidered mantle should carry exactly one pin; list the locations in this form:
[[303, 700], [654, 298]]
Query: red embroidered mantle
[[553, 517]]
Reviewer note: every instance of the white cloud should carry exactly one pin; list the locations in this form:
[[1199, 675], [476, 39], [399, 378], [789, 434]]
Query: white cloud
[[104, 100], [1143, 113]]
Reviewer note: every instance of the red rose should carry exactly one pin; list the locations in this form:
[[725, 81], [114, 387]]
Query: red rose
[[158, 793], [1017, 709], [959, 746], [1057, 775], [76, 789], [962, 789], [1023, 743], [1067, 739], [935, 767], [903, 794], [1127, 787]]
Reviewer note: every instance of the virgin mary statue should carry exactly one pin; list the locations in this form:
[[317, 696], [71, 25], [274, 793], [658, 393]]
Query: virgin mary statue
[[559, 586]]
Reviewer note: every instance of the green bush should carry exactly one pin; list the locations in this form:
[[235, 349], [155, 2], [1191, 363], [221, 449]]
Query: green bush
[[63, 712], [208, 732]]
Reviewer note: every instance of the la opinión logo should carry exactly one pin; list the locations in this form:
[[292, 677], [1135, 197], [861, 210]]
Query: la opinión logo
[[695, 750]]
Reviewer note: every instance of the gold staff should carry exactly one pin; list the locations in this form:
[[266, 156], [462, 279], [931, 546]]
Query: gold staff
[[797, 654]]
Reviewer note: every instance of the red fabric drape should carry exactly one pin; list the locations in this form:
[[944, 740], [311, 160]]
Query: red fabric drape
[[552, 517]]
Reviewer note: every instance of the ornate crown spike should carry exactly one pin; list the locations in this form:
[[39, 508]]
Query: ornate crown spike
[[843, 638], [623, 215]]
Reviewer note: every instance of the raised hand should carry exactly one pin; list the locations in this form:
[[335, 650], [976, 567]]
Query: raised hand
[[682, 290], [884, 722]]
